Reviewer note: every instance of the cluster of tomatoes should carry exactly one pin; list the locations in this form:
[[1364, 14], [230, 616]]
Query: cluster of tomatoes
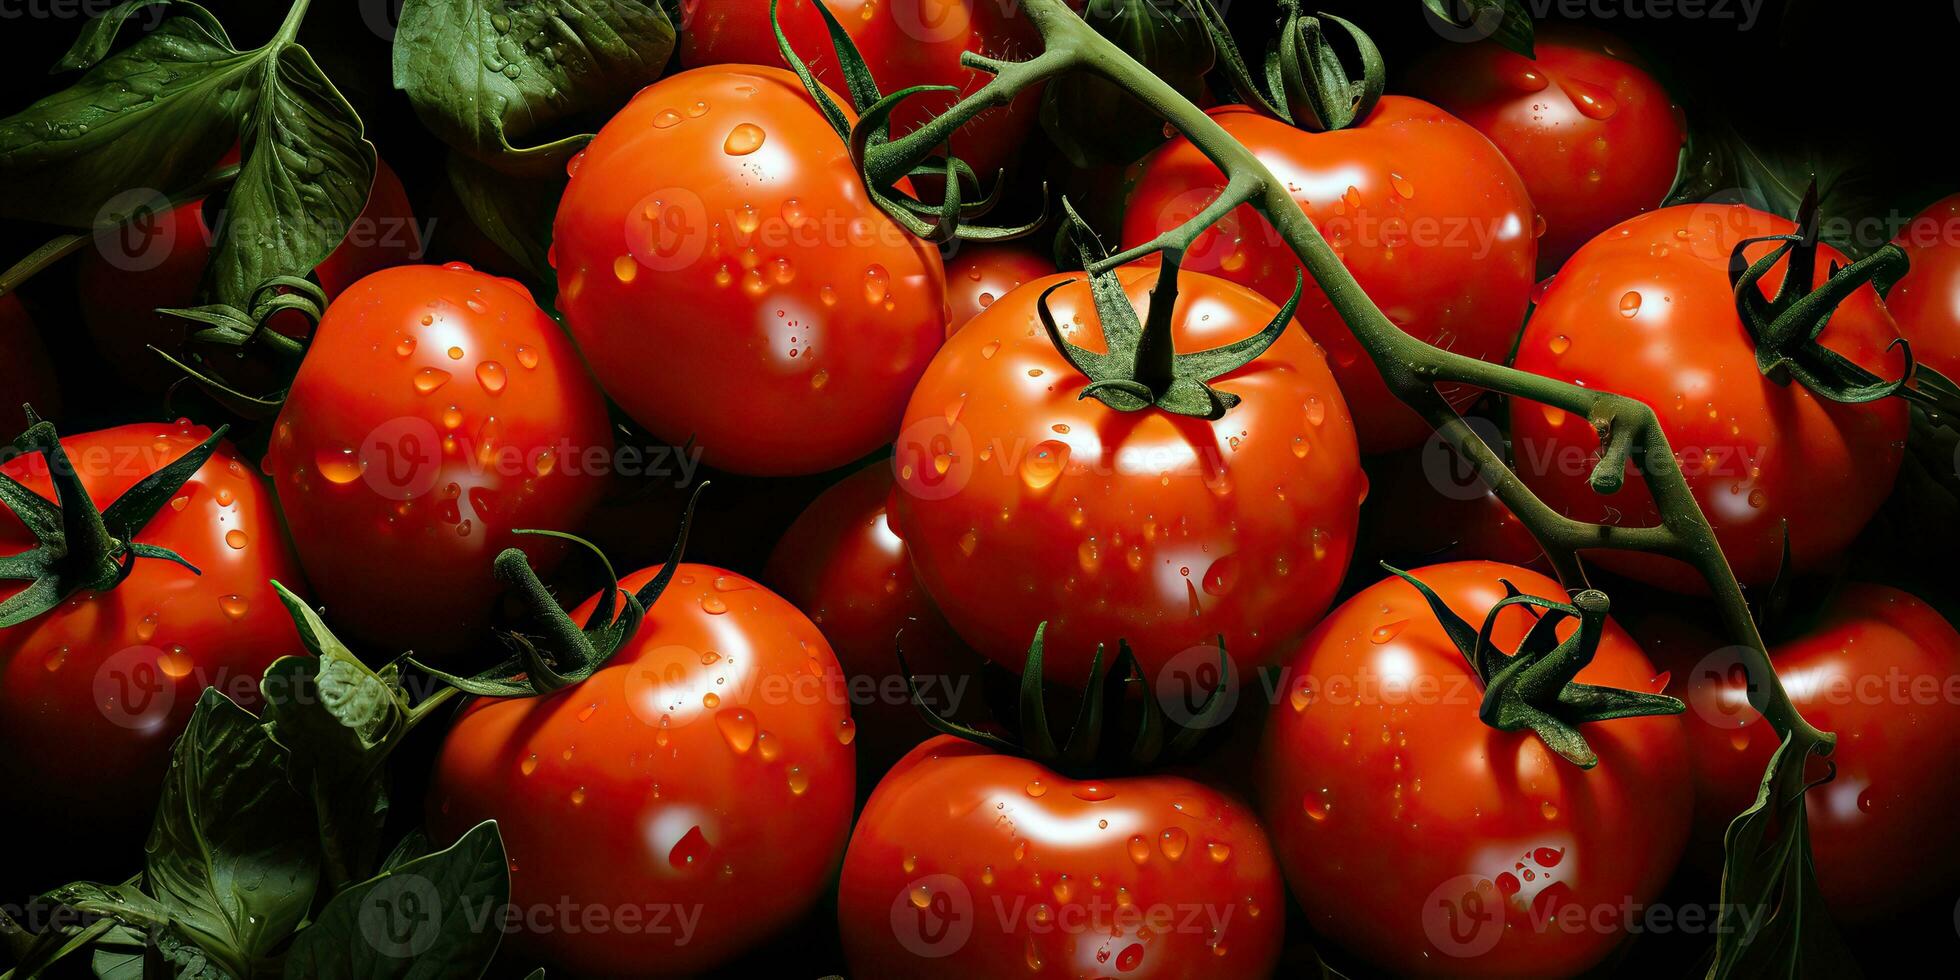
[[725, 284]]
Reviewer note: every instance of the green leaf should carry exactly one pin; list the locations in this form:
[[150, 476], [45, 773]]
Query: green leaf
[[515, 213], [127, 953], [223, 855], [99, 35], [437, 916], [306, 174], [1773, 921], [1721, 166], [1506, 22], [490, 75], [156, 115]]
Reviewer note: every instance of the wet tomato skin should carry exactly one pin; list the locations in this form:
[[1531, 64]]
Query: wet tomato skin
[[977, 276], [706, 769], [1647, 311], [112, 676], [903, 42], [1926, 303], [1427, 215], [1431, 844], [1595, 137], [841, 563], [715, 239], [1878, 669], [971, 864], [1164, 530], [438, 410]]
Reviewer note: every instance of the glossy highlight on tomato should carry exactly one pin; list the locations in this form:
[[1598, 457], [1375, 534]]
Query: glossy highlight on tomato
[[1022, 503], [1878, 668], [437, 411], [1595, 137], [1431, 220], [723, 268], [971, 864], [903, 42], [111, 677], [1647, 311], [1431, 844], [842, 564], [706, 770]]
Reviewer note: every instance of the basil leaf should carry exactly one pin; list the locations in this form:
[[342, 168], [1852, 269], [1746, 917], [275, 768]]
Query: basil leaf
[[487, 75], [222, 855], [515, 213], [99, 35], [1507, 22], [306, 174], [438, 916], [126, 953], [156, 115]]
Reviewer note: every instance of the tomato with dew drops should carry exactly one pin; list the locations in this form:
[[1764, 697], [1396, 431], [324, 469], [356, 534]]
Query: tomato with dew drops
[[1926, 303], [977, 276], [1595, 137], [968, 863], [93, 692], [1431, 844], [438, 410], [734, 285], [706, 769], [1428, 217]]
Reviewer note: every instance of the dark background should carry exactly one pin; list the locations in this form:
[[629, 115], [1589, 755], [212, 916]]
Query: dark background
[[1868, 85]]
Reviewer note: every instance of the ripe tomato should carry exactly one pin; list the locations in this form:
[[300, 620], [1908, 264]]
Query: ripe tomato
[[1647, 310], [157, 262], [1431, 844], [1878, 668], [1023, 503], [1427, 505], [1595, 137], [714, 239], [969, 863], [111, 677], [1926, 303], [842, 565], [26, 375], [700, 782], [437, 410], [979, 275], [1426, 214], [904, 43]]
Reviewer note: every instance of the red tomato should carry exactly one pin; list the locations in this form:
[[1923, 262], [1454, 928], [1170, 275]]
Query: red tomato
[[157, 262], [1427, 505], [1595, 137], [1431, 844], [94, 692], [1926, 303], [26, 375], [438, 409], [1023, 503], [1882, 670], [841, 564], [703, 776], [972, 864], [979, 275], [904, 42], [714, 239], [1647, 311], [1426, 214]]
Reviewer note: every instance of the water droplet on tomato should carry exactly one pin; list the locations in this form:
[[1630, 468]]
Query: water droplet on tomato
[[744, 140], [491, 376], [1173, 841], [236, 539], [429, 379], [1044, 465], [1630, 304]]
